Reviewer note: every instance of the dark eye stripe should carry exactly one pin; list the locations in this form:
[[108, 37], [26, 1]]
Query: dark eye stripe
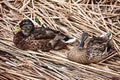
[[27, 26]]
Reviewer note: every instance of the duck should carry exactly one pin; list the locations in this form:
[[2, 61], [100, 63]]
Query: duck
[[33, 38], [92, 49]]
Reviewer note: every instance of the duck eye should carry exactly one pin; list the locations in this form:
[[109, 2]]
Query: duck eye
[[28, 27], [49, 44]]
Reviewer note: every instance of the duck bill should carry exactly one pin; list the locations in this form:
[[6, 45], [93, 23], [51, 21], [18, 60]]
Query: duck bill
[[17, 29]]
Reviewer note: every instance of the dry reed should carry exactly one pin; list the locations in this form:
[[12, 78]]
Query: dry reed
[[69, 16]]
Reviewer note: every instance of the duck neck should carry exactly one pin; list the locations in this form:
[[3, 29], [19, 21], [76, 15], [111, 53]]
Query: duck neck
[[83, 38], [81, 45]]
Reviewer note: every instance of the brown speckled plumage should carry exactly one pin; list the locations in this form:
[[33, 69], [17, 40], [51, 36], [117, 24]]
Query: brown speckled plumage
[[45, 39], [96, 49]]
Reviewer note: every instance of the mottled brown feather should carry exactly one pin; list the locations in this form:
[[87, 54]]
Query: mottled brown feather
[[38, 38], [94, 51]]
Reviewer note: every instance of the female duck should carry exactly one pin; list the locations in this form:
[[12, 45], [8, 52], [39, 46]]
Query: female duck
[[38, 38], [92, 50]]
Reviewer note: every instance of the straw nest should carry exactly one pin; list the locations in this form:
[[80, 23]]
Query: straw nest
[[71, 17]]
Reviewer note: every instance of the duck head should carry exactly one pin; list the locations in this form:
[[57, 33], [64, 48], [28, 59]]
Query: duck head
[[27, 27], [82, 40]]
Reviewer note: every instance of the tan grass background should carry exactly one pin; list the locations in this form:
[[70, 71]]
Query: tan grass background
[[69, 16]]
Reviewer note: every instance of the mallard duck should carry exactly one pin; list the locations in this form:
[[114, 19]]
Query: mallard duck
[[42, 38], [92, 50]]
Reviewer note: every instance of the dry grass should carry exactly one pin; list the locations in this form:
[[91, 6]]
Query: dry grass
[[70, 16]]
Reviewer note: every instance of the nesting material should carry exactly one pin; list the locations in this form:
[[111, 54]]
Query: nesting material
[[71, 17]]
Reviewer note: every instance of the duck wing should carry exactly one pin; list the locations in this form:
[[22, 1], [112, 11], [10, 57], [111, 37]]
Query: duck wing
[[98, 49], [44, 33]]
